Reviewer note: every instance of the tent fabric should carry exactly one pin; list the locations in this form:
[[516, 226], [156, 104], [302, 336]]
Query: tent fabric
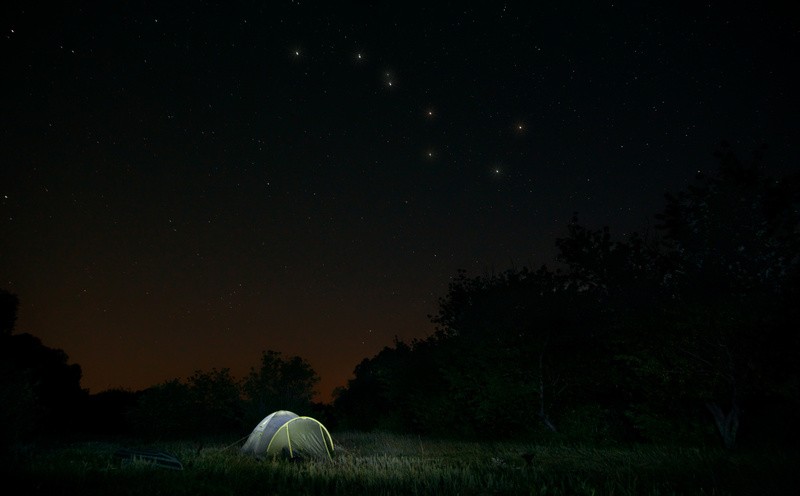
[[261, 436], [303, 437], [285, 434]]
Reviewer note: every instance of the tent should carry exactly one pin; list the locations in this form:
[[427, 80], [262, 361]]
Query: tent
[[286, 434]]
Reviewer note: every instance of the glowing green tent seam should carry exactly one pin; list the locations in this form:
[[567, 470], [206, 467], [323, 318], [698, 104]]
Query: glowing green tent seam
[[285, 427], [288, 440], [322, 433]]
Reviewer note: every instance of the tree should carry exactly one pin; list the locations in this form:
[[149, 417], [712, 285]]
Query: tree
[[8, 312], [166, 410], [279, 384], [624, 281], [658, 330], [522, 344], [40, 390], [206, 403], [507, 348], [399, 389], [217, 400], [20, 411], [373, 396], [108, 412], [735, 245]]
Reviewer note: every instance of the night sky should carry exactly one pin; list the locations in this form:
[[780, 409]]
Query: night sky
[[186, 184]]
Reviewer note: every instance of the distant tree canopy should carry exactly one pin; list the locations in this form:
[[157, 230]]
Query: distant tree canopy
[[207, 403], [214, 402], [279, 384], [39, 390], [40, 394], [686, 335], [673, 337], [734, 249], [8, 312]]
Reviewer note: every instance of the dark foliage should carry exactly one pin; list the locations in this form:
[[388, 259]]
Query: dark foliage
[[279, 383], [41, 398], [214, 403], [683, 336], [40, 391], [8, 312], [107, 413], [686, 335]]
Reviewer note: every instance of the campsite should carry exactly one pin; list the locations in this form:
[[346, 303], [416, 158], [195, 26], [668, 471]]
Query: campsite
[[295, 248], [381, 463], [614, 375]]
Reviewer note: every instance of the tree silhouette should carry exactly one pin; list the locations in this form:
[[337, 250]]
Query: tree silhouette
[[734, 240], [39, 390], [508, 336], [643, 335], [217, 400], [166, 410], [373, 397], [279, 384], [8, 312]]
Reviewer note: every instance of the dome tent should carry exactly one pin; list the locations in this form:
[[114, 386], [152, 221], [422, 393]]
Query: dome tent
[[286, 434], [259, 439]]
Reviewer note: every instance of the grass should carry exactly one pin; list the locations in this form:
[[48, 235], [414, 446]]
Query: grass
[[378, 463]]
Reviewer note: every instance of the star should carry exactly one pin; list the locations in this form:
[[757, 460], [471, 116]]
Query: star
[[388, 79]]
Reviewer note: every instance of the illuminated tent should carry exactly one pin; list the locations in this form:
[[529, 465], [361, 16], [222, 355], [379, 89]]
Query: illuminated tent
[[285, 434]]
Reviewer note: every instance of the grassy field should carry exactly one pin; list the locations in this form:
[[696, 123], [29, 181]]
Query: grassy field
[[393, 464]]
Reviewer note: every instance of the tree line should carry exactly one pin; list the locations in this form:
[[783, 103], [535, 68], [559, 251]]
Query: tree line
[[41, 397], [686, 334]]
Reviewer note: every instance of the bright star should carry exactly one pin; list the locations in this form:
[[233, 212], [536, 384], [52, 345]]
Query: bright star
[[388, 79]]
